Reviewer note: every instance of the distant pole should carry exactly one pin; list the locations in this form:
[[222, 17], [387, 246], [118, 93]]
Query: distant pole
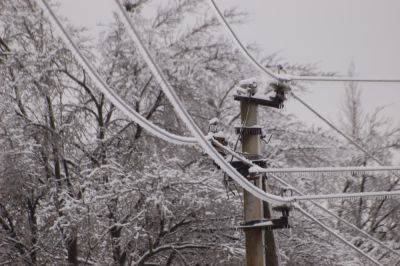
[[260, 244]]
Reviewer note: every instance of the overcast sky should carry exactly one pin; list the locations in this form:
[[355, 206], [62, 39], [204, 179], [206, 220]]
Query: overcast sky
[[330, 33]]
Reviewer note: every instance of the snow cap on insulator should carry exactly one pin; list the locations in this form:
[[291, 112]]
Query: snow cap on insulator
[[214, 121], [248, 86], [248, 83]]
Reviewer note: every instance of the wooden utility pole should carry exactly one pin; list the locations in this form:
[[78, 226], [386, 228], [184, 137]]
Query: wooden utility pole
[[261, 249]]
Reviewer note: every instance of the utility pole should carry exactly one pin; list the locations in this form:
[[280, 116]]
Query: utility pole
[[261, 248], [260, 244]]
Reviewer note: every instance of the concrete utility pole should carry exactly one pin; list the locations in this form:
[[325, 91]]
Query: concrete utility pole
[[261, 248]]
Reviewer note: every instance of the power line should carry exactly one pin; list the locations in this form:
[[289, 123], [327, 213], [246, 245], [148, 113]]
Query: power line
[[176, 102], [182, 112], [342, 133], [365, 234], [185, 116], [342, 239], [342, 79], [289, 186], [257, 169], [304, 78], [119, 103], [287, 78], [351, 169], [108, 92], [356, 144], [188, 120]]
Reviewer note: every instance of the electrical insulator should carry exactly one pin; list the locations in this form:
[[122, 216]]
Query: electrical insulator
[[248, 87], [214, 127]]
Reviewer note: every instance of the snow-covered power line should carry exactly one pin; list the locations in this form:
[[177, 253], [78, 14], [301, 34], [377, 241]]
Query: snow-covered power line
[[242, 48], [335, 234], [119, 103], [354, 195], [113, 97], [285, 77], [182, 112], [324, 170], [341, 79], [197, 132], [289, 186], [257, 169], [337, 217], [188, 120]]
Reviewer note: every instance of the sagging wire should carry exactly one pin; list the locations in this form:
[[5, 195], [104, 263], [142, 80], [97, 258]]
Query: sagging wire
[[287, 78], [182, 112], [259, 194], [103, 87]]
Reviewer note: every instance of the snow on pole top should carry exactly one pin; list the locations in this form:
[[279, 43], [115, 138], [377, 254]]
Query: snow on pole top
[[247, 87]]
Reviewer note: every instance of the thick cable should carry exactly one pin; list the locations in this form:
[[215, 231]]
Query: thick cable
[[355, 195], [204, 140], [103, 87], [186, 117], [188, 120], [329, 169], [342, 79], [258, 169], [286, 77], [241, 46], [298, 78], [342, 239]]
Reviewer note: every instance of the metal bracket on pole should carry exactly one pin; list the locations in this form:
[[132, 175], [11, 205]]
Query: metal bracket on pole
[[259, 101]]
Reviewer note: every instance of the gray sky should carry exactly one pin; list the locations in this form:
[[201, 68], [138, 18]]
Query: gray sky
[[330, 33]]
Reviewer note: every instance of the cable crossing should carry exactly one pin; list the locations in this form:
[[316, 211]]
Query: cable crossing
[[188, 120], [125, 108], [199, 137], [287, 78], [206, 145]]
